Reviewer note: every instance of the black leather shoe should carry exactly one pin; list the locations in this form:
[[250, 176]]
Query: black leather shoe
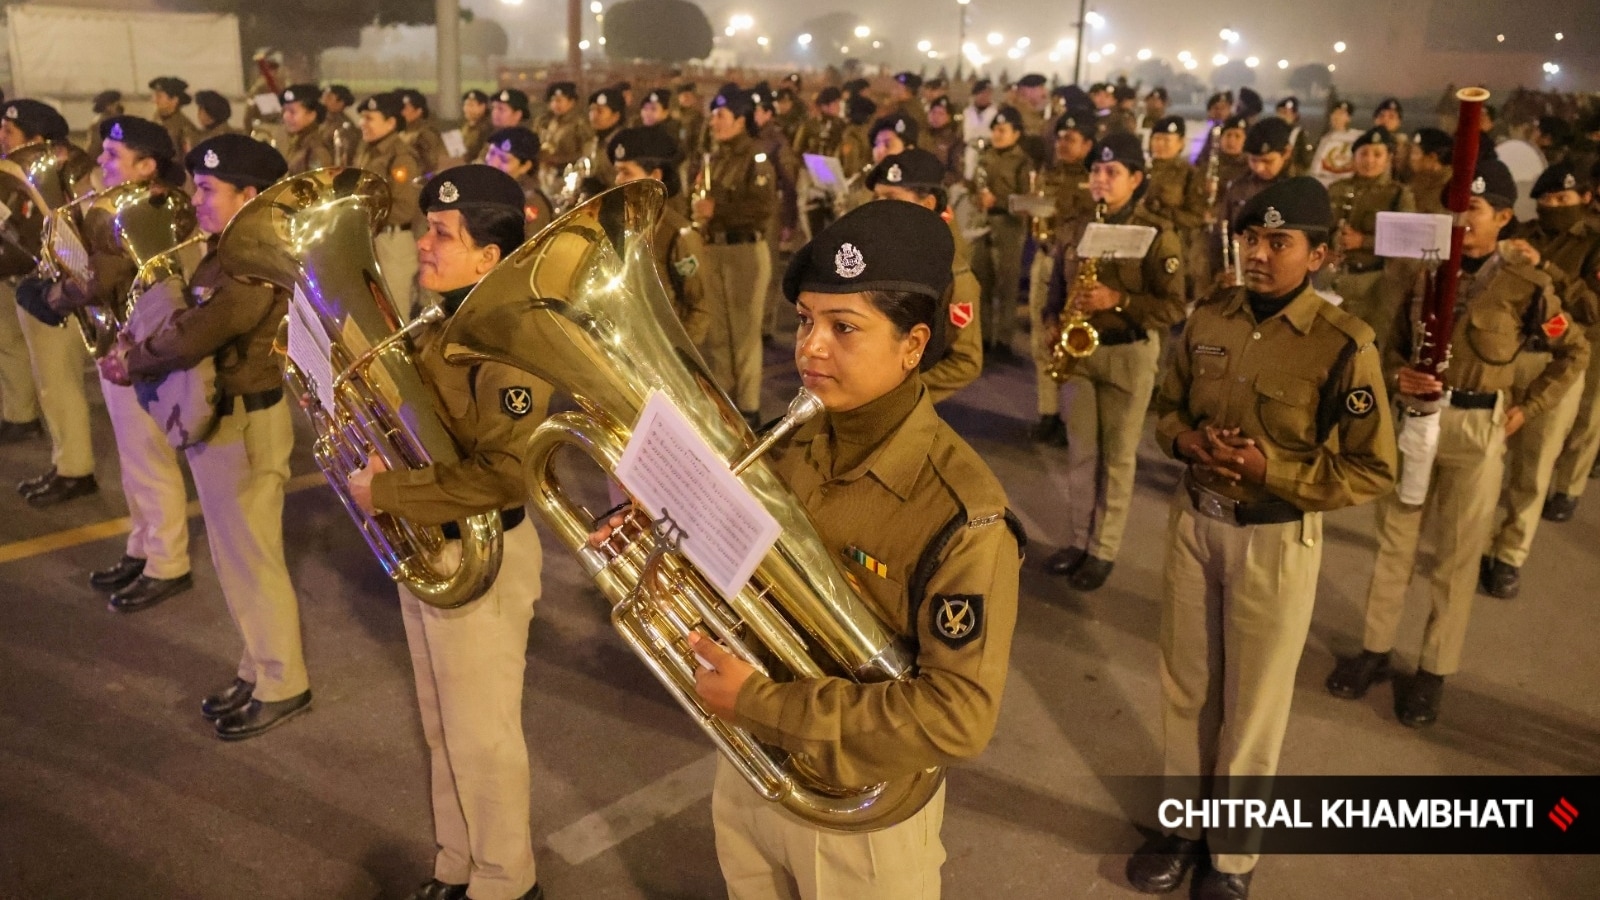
[[1049, 430], [17, 432], [534, 893], [60, 489], [29, 485], [230, 699], [1160, 866], [1090, 574], [1559, 508], [434, 889], [118, 576], [259, 716], [1418, 705], [1353, 676], [1065, 561], [146, 592], [1214, 885], [1484, 562], [1504, 581]]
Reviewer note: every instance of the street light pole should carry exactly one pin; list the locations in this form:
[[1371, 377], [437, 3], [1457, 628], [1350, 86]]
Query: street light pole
[[575, 37], [961, 37], [1077, 62]]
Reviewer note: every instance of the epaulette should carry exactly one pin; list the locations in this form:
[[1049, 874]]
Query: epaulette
[[1219, 296], [971, 484], [1356, 330], [1528, 273]]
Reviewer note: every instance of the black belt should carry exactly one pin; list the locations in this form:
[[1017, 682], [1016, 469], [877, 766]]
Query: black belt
[[1221, 507], [733, 237], [1363, 268], [509, 519], [1001, 211], [1474, 399], [1113, 337], [254, 402]]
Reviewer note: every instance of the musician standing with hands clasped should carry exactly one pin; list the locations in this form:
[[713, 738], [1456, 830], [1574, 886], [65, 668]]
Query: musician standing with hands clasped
[[240, 471], [921, 527], [469, 661], [1275, 400]]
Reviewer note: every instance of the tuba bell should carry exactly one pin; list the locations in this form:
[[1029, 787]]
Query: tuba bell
[[311, 235], [582, 307]]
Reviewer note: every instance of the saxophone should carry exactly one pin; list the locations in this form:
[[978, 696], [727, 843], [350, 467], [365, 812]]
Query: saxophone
[[1078, 339], [582, 307]]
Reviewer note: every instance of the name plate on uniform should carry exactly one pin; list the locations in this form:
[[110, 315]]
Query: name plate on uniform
[[673, 473], [1101, 241], [309, 347], [1413, 235], [826, 171], [455, 144]]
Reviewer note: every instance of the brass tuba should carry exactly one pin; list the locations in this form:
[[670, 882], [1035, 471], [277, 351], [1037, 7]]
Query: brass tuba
[[150, 225], [582, 307], [311, 235]]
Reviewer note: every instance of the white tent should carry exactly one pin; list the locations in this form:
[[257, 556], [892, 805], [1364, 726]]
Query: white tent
[[73, 52]]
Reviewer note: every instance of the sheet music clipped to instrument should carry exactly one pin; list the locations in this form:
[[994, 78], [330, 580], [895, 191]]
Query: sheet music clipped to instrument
[[673, 473], [309, 347]]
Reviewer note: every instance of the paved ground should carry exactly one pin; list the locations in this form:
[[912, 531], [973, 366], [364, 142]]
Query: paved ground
[[112, 785]]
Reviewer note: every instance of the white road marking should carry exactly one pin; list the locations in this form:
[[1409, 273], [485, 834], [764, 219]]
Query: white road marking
[[606, 828]]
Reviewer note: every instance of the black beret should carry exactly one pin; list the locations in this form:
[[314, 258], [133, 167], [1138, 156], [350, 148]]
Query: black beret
[[140, 135], [1125, 92], [1222, 97], [1388, 104], [882, 246], [1559, 130], [1435, 141], [1233, 122], [513, 98], [1120, 147], [660, 97], [1345, 105], [902, 125], [1082, 123], [793, 78], [1377, 134], [214, 104], [343, 93], [561, 89], [611, 98], [1300, 204], [1007, 115], [477, 95], [386, 104], [1562, 176], [172, 87], [784, 93], [238, 159], [856, 85], [415, 98], [1493, 182], [654, 146], [688, 87], [1249, 102], [1032, 80], [981, 85], [829, 95], [860, 110], [736, 101], [936, 83], [37, 119], [306, 95], [1157, 91], [1269, 135], [911, 80], [761, 95], [940, 103], [1291, 102], [517, 141], [913, 168], [1169, 125], [474, 186], [105, 100], [1099, 87]]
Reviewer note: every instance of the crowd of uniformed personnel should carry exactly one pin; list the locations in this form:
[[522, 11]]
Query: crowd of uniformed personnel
[[1259, 325]]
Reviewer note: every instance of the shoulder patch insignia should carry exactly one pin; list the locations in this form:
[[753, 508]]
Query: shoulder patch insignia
[[1171, 265], [957, 618], [961, 314], [1360, 402], [516, 401], [687, 267], [1556, 327]]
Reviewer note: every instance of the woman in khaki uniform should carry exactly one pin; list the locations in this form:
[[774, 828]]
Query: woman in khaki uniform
[[921, 526], [515, 151], [469, 662], [646, 152]]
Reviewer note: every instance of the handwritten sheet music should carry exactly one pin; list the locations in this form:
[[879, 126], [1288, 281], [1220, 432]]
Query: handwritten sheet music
[[1412, 235], [1116, 241], [672, 471], [309, 347], [455, 144]]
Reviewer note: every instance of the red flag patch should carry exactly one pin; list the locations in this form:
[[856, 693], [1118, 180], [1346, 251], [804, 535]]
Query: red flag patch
[[1556, 327], [961, 314]]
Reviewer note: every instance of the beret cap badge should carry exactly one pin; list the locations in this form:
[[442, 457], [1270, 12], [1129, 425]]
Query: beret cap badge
[[448, 192], [212, 161], [1478, 185], [116, 132], [848, 262], [1272, 218], [1107, 155], [894, 175]]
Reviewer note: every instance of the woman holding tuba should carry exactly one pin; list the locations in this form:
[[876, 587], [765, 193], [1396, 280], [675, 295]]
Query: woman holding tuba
[[242, 468], [921, 526], [469, 661]]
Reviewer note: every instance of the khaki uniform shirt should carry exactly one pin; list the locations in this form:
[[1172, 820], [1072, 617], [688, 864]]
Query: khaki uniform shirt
[[209, 133], [744, 185], [308, 150], [111, 272], [599, 156], [1176, 193], [1576, 252], [1005, 172], [1069, 184], [1301, 150], [1117, 121], [880, 517], [536, 206], [425, 141], [1230, 167], [490, 409], [1152, 287], [232, 321], [692, 130], [476, 136], [562, 139], [1306, 385], [962, 360], [1357, 202], [394, 159], [823, 136], [855, 150], [680, 256], [184, 133], [1503, 308], [1427, 189]]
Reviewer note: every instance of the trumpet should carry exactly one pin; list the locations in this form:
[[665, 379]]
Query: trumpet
[[1079, 339]]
